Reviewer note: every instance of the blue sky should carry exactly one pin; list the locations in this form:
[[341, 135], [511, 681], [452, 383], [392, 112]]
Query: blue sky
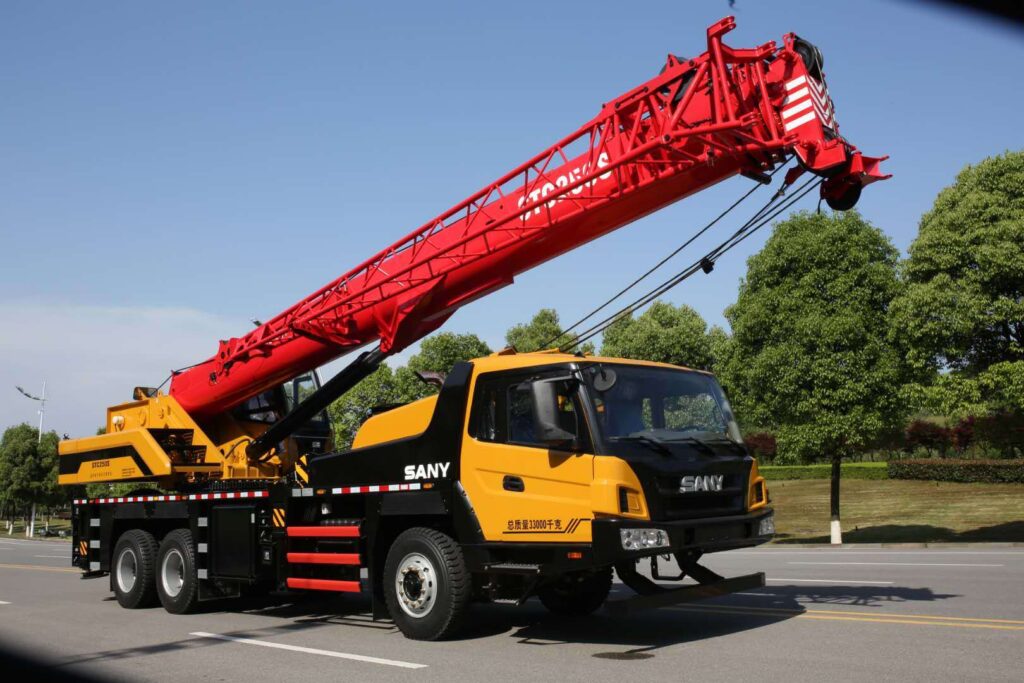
[[169, 171]]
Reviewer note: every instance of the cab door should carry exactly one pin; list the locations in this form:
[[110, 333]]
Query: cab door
[[521, 490]]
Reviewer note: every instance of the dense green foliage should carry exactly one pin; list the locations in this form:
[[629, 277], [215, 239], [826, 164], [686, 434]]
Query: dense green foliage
[[809, 359], [966, 471], [850, 470], [437, 354], [28, 468], [962, 311], [664, 333], [544, 331]]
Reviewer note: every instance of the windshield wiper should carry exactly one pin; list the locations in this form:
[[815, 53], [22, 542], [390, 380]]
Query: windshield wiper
[[652, 442], [701, 444], [728, 441]]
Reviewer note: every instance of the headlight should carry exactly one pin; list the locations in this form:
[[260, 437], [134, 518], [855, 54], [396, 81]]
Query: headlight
[[640, 539], [766, 526]]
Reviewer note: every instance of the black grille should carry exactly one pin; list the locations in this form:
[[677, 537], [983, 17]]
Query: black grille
[[679, 505]]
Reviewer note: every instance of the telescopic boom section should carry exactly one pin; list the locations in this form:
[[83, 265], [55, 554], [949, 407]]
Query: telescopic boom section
[[698, 122]]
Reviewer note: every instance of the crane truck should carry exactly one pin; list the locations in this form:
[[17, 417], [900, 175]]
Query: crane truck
[[527, 474]]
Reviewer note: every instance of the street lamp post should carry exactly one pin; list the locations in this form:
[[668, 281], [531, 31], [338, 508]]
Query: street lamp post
[[30, 530], [42, 406]]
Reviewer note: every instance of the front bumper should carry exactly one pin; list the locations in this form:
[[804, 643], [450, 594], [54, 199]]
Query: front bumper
[[706, 535]]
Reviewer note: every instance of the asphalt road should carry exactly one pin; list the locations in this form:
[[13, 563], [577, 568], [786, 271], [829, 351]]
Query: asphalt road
[[840, 615]]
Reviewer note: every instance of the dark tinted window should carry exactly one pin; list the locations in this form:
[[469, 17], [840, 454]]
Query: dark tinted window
[[503, 408]]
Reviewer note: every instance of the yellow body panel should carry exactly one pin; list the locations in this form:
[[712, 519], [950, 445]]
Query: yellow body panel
[[397, 423], [504, 360], [120, 464], [555, 504], [562, 492], [757, 490], [115, 455]]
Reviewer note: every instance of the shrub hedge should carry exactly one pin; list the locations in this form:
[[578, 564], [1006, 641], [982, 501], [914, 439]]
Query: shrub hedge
[[851, 470], [968, 471]]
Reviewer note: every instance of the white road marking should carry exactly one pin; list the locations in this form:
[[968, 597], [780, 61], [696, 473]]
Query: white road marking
[[2, 602], [876, 552], [311, 650], [873, 583], [902, 564], [24, 541]]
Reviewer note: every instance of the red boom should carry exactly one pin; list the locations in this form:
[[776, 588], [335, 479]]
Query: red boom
[[698, 122]]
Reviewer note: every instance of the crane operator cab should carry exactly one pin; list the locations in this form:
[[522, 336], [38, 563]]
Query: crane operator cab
[[266, 408]]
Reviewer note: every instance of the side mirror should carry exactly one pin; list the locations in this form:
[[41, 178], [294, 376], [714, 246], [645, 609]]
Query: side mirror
[[547, 427]]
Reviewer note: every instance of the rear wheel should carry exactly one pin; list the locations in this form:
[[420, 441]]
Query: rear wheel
[[133, 562], [577, 594], [426, 584], [177, 581]]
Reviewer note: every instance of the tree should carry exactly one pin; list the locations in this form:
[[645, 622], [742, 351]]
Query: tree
[[386, 387], [810, 359], [437, 354], [542, 332], [663, 333], [28, 468], [961, 314], [350, 411]]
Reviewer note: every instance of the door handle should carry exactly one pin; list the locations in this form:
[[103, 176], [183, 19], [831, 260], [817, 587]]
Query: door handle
[[514, 484]]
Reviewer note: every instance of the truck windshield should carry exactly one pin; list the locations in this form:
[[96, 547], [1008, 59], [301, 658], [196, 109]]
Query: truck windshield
[[659, 404]]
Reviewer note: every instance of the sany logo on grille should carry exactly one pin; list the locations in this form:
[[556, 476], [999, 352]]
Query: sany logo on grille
[[708, 482], [806, 100]]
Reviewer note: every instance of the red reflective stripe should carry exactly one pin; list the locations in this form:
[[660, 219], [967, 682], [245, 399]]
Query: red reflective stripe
[[324, 558], [331, 531], [324, 585]]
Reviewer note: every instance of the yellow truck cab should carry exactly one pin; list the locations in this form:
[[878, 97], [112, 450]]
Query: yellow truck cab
[[549, 469]]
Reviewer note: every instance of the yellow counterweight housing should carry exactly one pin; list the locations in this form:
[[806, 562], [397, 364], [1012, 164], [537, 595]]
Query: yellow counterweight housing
[[154, 439]]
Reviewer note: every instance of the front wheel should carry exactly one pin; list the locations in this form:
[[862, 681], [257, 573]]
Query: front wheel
[[577, 594], [426, 584]]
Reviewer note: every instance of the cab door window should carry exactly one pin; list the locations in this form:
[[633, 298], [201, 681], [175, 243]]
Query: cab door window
[[503, 410]]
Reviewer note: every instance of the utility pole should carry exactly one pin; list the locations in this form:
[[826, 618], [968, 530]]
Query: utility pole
[[30, 529]]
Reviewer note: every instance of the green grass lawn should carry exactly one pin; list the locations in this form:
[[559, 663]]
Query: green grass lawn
[[895, 511], [19, 527]]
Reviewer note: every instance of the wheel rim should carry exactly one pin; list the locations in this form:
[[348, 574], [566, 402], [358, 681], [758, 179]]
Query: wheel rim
[[127, 570], [416, 585], [172, 573]]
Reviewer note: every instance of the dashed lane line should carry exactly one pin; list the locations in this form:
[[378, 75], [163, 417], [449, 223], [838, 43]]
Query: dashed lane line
[[901, 564], [311, 650], [40, 567], [930, 551], [853, 581], [870, 617]]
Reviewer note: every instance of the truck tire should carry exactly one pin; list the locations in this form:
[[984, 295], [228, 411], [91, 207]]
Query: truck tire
[[577, 594], [132, 569], [177, 581], [426, 584]]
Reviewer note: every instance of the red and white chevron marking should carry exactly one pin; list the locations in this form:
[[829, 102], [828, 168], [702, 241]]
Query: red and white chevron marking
[[376, 488], [807, 100], [227, 495]]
